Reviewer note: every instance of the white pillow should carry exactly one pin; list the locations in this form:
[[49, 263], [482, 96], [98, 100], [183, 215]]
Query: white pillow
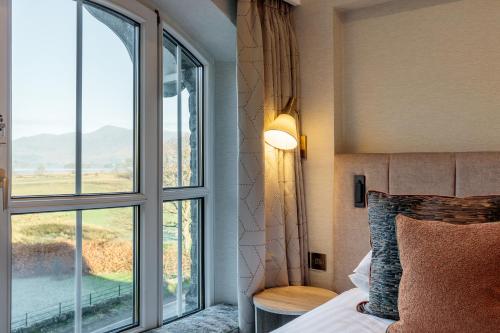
[[364, 265], [361, 276], [361, 281]]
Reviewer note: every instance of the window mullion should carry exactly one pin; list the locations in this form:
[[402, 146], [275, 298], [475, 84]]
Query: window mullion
[[179, 117], [50, 204], [179, 181], [184, 193], [79, 92], [5, 250], [78, 169], [179, 258], [78, 271]]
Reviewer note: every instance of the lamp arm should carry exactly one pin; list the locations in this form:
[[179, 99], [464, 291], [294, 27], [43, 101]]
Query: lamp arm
[[291, 106]]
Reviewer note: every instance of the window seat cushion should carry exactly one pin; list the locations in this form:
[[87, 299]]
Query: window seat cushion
[[221, 318]]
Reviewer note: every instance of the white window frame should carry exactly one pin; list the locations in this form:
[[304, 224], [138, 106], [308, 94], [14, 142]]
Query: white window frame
[[205, 191], [151, 194], [147, 158]]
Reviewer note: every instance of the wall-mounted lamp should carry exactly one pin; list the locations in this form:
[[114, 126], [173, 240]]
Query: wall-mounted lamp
[[282, 132]]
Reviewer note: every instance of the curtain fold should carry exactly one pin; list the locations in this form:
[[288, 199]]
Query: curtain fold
[[273, 242]]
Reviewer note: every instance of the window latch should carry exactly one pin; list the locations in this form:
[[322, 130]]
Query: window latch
[[4, 185]]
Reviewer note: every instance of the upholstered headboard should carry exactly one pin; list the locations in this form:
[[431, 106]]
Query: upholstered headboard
[[450, 174]]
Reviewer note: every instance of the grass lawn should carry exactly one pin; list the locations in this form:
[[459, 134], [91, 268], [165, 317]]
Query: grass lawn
[[30, 294], [64, 183]]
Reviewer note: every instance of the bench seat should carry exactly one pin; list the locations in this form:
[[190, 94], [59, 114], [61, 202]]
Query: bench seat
[[221, 318]]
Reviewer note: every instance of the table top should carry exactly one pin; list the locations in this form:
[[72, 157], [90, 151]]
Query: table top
[[293, 300]]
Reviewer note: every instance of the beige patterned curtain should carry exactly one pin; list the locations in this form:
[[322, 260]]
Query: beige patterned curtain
[[272, 223]]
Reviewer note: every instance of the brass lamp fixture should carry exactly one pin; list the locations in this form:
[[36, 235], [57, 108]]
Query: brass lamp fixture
[[282, 132]]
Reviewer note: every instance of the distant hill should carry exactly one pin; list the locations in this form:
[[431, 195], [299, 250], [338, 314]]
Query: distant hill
[[106, 148]]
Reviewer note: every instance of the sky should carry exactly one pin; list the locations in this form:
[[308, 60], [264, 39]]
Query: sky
[[44, 72]]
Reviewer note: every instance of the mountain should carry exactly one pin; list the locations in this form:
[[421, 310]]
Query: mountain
[[105, 148]]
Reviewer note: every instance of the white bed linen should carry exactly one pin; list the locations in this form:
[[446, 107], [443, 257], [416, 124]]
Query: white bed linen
[[338, 316]]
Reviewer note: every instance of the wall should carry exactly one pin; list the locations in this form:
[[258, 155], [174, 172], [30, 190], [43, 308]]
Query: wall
[[209, 25], [228, 7], [226, 189], [422, 78], [400, 76], [314, 29]]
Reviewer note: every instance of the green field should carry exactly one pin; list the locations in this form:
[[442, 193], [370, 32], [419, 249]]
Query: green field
[[64, 183]]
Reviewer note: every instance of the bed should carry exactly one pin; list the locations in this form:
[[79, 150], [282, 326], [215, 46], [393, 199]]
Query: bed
[[447, 174], [338, 315]]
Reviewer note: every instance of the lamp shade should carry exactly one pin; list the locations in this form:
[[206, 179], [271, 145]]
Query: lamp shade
[[282, 132]]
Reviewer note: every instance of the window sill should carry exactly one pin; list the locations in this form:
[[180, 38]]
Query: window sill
[[221, 318]]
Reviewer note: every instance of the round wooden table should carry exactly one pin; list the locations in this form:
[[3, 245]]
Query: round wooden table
[[289, 301]]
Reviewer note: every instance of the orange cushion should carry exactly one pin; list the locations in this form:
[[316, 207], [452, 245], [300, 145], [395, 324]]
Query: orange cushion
[[451, 277]]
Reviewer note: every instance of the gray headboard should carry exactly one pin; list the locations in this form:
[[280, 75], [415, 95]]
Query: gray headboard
[[450, 174]]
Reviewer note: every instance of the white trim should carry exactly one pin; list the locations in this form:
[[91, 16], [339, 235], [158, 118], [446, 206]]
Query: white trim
[[294, 2], [209, 170], [131, 9], [78, 271], [169, 26], [185, 193], [48, 204], [149, 211], [149, 245], [78, 172], [5, 100], [179, 258], [159, 185], [178, 57]]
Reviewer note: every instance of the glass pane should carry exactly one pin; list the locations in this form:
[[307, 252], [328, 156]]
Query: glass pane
[[181, 224], [170, 260], [109, 62], [43, 97], [170, 119], [190, 119], [43, 265], [190, 254], [181, 163], [44, 106], [108, 271]]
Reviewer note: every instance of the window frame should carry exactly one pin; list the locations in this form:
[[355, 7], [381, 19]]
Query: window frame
[[201, 270], [143, 199], [184, 51], [203, 191], [151, 194]]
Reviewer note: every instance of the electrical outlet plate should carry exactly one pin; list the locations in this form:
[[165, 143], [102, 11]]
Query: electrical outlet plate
[[318, 261]]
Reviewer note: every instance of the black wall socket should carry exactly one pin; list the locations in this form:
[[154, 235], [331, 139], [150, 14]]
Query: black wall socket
[[317, 261]]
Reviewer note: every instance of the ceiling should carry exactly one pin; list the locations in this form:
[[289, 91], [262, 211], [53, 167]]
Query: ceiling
[[357, 4], [211, 23]]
